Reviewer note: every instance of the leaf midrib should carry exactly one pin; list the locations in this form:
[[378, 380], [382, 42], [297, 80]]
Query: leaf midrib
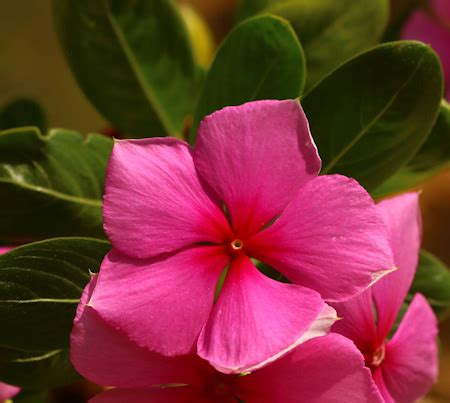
[[40, 300], [365, 130], [54, 193], [134, 66]]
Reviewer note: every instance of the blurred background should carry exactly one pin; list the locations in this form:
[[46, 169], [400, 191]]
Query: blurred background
[[32, 65]]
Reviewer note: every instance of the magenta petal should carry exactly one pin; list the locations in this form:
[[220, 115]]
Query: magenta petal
[[331, 238], [154, 202], [106, 357], [256, 156], [357, 321], [182, 394], [159, 304], [411, 364], [381, 385], [442, 9], [326, 369], [423, 27], [7, 391], [5, 249], [402, 217], [257, 319]]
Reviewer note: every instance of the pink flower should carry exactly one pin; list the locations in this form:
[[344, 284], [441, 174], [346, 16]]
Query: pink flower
[[323, 370], [7, 391], [4, 249], [404, 367], [433, 27], [177, 217]]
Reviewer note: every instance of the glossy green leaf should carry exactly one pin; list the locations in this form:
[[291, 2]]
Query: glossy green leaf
[[36, 370], [22, 112], [330, 31], [433, 281], [51, 185], [132, 59], [432, 157], [40, 287], [260, 59], [371, 115]]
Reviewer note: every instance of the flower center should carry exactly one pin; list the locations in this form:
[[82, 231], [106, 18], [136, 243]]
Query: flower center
[[378, 356], [236, 246]]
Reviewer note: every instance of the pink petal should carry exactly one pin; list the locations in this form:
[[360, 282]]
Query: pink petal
[[423, 27], [331, 238], [107, 357], [402, 217], [257, 319], [411, 364], [7, 391], [5, 249], [159, 304], [154, 202], [442, 9], [326, 369], [183, 394], [256, 156], [357, 321], [381, 385]]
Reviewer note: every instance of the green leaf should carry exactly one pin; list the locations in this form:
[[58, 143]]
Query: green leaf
[[330, 31], [132, 59], [433, 281], [51, 185], [40, 287], [371, 115], [36, 370], [31, 396], [22, 112], [432, 157], [260, 59]]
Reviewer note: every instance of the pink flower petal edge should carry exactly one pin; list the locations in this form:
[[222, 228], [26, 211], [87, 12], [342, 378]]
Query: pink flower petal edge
[[317, 241], [256, 157], [436, 33], [239, 335], [403, 221], [411, 363], [154, 202], [116, 361], [8, 391], [404, 367], [107, 357], [158, 303]]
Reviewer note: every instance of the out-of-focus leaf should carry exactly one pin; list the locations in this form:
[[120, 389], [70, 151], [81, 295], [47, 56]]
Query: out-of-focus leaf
[[372, 114], [433, 281], [22, 112], [330, 31], [433, 156], [260, 59], [36, 370], [40, 287], [32, 396], [51, 185], [132, 59]]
